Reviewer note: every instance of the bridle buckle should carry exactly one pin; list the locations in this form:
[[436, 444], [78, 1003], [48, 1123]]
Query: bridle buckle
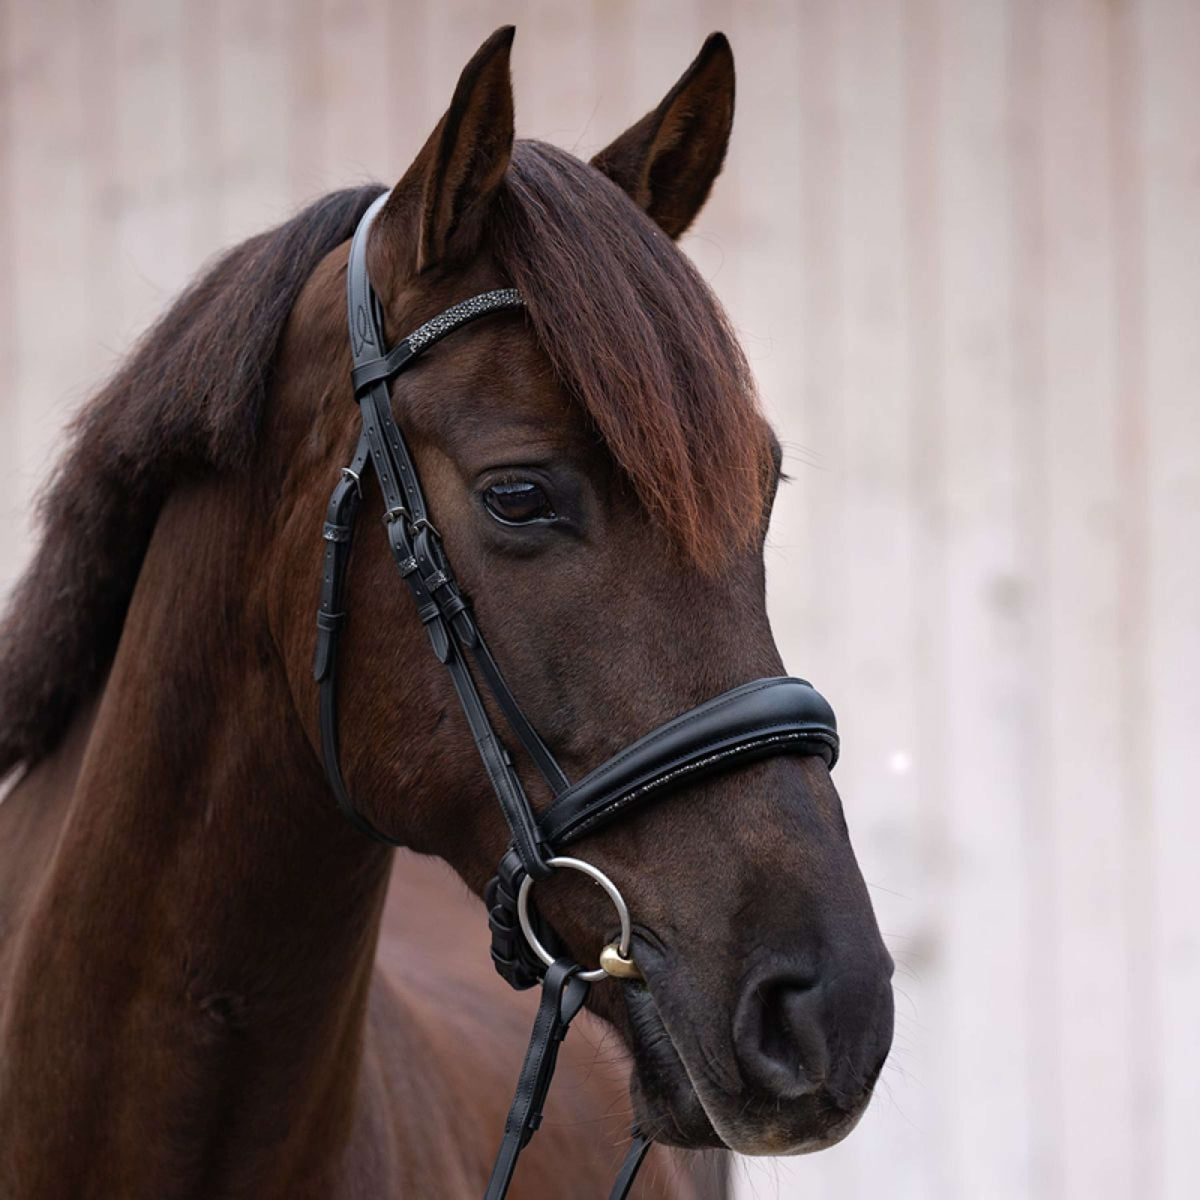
[[412, 525], [415, 526], [355, 478]]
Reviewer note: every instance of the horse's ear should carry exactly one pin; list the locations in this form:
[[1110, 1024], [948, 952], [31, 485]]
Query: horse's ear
[[436, 212], [667, 161]]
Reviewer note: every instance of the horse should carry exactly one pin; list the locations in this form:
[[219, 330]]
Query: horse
[[213, 985]]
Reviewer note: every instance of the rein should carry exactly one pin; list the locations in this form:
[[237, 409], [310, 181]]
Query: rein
[[761, 719]]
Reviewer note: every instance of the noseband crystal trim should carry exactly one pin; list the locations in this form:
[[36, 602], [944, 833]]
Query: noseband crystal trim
[[756, 720]]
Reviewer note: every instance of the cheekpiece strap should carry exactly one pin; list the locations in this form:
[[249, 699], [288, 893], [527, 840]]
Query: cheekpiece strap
[[418, 553]]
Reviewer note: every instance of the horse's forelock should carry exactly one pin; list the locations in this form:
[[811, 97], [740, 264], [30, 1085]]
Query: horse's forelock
[[637, 337]]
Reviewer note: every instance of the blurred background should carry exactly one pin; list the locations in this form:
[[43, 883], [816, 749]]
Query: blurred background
[[961, 242]]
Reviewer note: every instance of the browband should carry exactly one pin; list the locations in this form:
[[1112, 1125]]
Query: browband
[[756, 720]]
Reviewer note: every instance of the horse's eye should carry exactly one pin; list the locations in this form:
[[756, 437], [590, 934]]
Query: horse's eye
[[518, 503]]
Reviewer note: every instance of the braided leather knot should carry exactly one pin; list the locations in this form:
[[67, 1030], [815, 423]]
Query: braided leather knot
[[512, 955]]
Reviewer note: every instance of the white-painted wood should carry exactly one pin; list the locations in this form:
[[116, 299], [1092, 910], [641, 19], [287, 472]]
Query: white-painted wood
[[1169, 33], [46, 179], [1087, 922], [989, 665], [12, 502], [961, 243]]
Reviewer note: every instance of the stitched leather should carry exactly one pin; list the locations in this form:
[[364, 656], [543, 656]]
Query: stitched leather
[[416, 548], [756, 720], [629, 1168], [563, 994]]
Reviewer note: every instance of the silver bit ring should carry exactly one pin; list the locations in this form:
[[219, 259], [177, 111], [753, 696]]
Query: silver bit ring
[[596, 876]]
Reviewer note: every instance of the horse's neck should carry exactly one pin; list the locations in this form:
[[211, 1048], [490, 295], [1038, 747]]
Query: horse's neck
[[185, 1010]]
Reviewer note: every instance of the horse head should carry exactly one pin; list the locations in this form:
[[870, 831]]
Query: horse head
[[601, 479]]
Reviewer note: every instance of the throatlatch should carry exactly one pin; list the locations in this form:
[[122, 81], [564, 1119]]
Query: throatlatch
[[756, 720]]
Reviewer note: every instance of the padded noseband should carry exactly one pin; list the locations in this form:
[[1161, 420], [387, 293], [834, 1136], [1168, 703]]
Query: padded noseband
[[757, 720]]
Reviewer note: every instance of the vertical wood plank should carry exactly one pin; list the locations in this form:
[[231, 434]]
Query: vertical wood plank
[[761, 186], [1170, 37], [1026, 67], [149, 166], [1128, 181], [46, 228], [304, 72], [1089, 921], [403, 86], [448, 29], [12, 506], [199, 193], [920, 1118], [97, 273], [554, 78], [981, 1047], [873, 676], [252, 117], [615, 106], [820, 330], [357, 143]]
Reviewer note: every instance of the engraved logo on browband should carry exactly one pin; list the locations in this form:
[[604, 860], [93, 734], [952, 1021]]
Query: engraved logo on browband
[[362, 328]]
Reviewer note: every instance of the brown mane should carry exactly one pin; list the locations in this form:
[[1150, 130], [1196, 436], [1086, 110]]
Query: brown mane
[[187, 401], [632, 330], [640, 341]]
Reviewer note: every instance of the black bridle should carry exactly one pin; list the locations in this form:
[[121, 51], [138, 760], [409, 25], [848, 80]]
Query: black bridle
[[756, 720]]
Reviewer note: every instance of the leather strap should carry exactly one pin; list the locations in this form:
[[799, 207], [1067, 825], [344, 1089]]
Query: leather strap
[[518, 722], [416, 547], [563, 994], [757, 720], [630, 1167], [338, 533], [389, 365]]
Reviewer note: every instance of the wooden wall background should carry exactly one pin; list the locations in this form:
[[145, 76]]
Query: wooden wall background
[[961, 239]]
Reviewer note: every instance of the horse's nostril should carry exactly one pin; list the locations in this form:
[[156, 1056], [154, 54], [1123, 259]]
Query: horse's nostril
[[779, 1039]]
